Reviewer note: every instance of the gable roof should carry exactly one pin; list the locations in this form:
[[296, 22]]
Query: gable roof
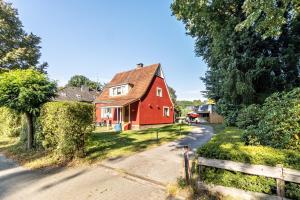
[[139, 78], [83, 94]]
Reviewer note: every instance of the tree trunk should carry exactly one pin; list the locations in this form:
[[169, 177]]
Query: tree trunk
[[29, 119]]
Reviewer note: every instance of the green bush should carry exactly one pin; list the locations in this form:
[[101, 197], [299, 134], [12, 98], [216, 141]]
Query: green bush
[[238, 180], [248, 116], [10, 122], [64, 126], [279, 125], [228, 145], [292, 191], [229, 111]]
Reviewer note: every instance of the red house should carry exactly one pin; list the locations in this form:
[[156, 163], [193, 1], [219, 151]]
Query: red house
[[137, 99]]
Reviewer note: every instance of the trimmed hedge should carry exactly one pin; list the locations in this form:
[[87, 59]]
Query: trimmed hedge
[[64, 126], [10, 122], [228, 145]]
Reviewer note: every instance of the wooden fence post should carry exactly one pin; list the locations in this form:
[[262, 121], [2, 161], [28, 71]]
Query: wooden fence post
[[280, 183], [200, 171], [187, 170]]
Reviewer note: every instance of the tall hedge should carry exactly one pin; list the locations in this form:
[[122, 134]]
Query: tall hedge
[[64, 127], [10, 122]]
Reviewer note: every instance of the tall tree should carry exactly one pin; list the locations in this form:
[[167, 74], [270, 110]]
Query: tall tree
[[173, 95], [18, 49], [239, 62], [25, 91], [269, 16], [244, 67], [80, 80]]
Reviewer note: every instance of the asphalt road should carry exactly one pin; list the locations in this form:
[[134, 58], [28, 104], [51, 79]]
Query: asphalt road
[[139, 176]]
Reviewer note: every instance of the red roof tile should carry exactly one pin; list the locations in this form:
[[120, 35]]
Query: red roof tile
[[139, 79]]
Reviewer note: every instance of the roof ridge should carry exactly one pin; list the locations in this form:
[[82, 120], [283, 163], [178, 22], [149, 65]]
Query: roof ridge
[[131, 70]]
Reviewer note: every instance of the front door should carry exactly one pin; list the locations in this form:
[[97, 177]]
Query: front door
[[126, 114]]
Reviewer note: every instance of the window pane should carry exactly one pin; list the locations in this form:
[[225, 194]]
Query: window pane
[[118, 90]]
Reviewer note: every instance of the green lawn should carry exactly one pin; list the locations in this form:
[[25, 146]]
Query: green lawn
[[100, 144], [227, 145], [107, 144]]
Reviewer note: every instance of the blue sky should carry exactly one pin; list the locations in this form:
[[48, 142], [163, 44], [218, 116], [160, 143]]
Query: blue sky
[[100, 38]]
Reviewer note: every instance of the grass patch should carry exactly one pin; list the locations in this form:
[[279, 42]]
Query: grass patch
[[217, 127], [100, 144], [107, 144], [227, 145]]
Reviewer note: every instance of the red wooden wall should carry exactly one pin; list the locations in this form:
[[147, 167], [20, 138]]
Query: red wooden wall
[[149, 110], [151, 106]]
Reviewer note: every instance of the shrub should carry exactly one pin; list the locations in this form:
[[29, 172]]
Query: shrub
[[292, 191], [279, 125], [248, 116], [238, 180], [228, 145], [64, 126], [10, 122], [229, 111]]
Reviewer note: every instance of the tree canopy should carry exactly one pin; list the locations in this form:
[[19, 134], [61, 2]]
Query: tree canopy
[[25, 91], [268, 16], [19, 50], [80, 80], [243, 66]]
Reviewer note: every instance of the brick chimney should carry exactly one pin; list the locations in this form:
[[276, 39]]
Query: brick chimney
[[140, 65]]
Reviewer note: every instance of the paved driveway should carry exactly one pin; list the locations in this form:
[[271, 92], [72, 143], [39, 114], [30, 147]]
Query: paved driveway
[[143, 171], [165, 163]]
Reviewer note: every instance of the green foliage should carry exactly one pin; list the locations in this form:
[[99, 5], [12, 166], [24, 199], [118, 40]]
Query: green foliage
[[172, 94], [279, 122], [80, 80], [238, 180], [181, 182], [292, 191], [185, 103], [269, 16], [229, 111], [243, 67], [248, 116], [10, 122], [25, 90], [177, 108], [228, 145], [64, 127], [19, 50]]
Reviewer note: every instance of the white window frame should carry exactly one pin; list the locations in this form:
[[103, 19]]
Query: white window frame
[[168, 112], [106, 112], [157, 92], [119, 90]]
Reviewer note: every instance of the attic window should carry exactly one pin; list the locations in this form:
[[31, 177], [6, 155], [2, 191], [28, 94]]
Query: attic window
[[159, 92], [119, 90]]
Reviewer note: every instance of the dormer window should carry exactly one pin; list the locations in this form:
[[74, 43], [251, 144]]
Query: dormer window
[[119, 90], [158, 92]]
